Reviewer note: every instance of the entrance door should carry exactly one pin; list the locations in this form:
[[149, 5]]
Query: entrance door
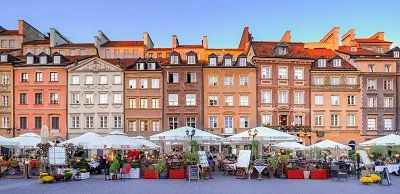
[[283, 120]]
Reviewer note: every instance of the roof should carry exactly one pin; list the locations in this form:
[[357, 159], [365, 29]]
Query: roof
[[37, 42], [123, 63], [266, 49], [359, 52], [370, 40], [123, 43], [9, 32], [8, 50], [160, 49], [329, 55], [75, 45], [159, 61], [190, 46]]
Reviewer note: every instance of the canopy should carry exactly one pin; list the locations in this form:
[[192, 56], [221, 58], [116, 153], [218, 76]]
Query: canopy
[[263, 134], [291, 145], [7, 142], [329, 145], [28, 140], [83, 140], [179, 134], [148, 144], [388, 140], [115, 140]]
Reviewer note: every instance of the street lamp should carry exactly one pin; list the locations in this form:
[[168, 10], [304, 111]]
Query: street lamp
[[191, 134], [253, 133]]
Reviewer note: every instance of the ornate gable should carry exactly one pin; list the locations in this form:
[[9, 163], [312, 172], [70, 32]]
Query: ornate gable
[[94, 65]]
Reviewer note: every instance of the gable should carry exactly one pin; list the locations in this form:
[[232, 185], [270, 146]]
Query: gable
[[94, 65]]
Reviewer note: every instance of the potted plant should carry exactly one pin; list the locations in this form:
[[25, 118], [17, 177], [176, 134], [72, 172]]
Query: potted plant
[[272, 166], [47, 179], [135, 171], [150, 172], [306, 171], [319, 173], [58, 177], [162, 168], [176, 172], [114, 168], [293, 172], [67, 175], [33, 168]]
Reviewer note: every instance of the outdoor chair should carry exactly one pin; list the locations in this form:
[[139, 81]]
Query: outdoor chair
[[336, 173]]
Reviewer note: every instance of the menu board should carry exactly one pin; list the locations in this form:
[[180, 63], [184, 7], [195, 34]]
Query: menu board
[[193, 172], [244, 158], [56, 155], [203, 159]]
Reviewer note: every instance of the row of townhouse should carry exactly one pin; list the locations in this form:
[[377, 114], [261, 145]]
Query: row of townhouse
[[315, 90]]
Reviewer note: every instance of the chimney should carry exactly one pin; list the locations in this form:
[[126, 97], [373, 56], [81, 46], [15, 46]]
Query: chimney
[[175, 42], [21, 25], [148, 43], [286, 37], [204, 42], [348, 38], [379, 36]]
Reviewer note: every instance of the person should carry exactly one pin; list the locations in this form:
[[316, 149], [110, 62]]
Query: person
[[211, 161]]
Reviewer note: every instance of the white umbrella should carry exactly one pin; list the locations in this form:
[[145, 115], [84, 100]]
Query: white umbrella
[[83, 140], [28, 140], [179, 134], [148, 144], [263, 134], [388, 140], [114, 140], [7, 142], [329, 145], [291, 145]]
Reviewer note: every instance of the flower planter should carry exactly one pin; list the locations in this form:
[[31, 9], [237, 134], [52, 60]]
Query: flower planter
[[176, 174], [319, 174], [85, 175], [134, 173], [294, 174], [306, 174], [150, 174]]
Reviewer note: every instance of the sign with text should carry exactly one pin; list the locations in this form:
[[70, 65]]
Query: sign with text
[[193, 172], [244, 158], [203, 159], [56, 155]]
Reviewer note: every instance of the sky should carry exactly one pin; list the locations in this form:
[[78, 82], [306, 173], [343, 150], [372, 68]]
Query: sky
[[221, 20]]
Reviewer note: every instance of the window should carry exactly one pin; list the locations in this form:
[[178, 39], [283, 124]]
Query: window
[[396, 54], [103, 122], [173, 78], [3, 43], [190, 99], [38, 98], [266, 119], [334, 120], [334, 100], [213, 61], [388, 102], [351, 120], [282, 73], [103, 98], [3, 58], [132, 102], [191, 122], [191, 78], [191, 59], [118, 122], [337, 62], [155, 83], [82, 52], [173, 122], [298, 73], [228, 100], [244, 122], [55, 123], [228, 61], [319, 120], [24, 77], [75, 98], [266, 72], [282, 50], [5, 79], [244, 80], [298, 120], [143, 83], [351, 100], [5, 122], [12, 43], [351, 81], [117, 79], [388, 124], [319, 100], [107, 53], [75, 80], [38, 122], [75, 122], [4, 100], [371, 68], [53, 76], [371, 102], [53, 98], [23, 123], [118, 98], [23, 98], [43, 60], [151, 66], [126, 53], [89, 79], [335, 81], [378, 49], [387, 84], [282, 97], [298, 97], [387, 68], [213, 122], [132, 125], [321, 62], [89, 122], [135, 54], [319, 81], [228, 80], [156, 125], [242, 61], [62, 52], [173, 99], [155, 103], [29, 60], [213, 100], [228, 122], [132, 83], [371, 124], [89, 98], [371, 84], [266, 96], [212, 80], [38, 76], [159, 55], [143, 103], [150, 55], [174, 59], [103, 80], [244, 100], [57, 59]]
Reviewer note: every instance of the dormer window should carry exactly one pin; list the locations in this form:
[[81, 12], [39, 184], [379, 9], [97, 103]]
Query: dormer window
[[152, 66], [141, 66], [337, 62], [321, 62], [57, 59], [29, 60], [228, 61], [353, 49], [191, 59], [3, 58], [174, 59], [396, 54], [213, 61], [242, 61], [378, 49], [43, 60], [282, 50]]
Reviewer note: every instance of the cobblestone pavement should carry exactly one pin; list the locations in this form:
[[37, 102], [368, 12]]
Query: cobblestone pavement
[[220, 184]]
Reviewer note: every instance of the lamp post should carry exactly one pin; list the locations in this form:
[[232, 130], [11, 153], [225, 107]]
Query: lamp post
[[13, 131], [253, 134], [191, 134]]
